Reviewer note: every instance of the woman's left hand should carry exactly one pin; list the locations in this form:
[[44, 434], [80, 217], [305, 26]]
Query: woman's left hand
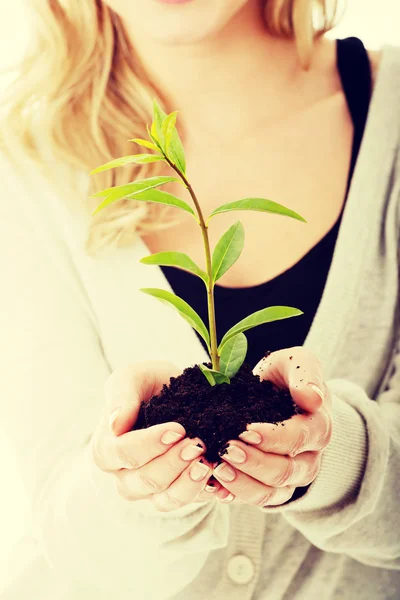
[[265, 471]]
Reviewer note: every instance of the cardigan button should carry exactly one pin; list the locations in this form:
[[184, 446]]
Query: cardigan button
[[240, 569]]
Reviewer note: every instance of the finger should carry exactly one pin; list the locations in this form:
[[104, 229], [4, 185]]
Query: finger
[[185, 489], [301, 433], [298, 370], [157, 475], [210, 491], [270, 469], [249, 490], [225, 496], [136, 448], [128, 386], [206, 496]]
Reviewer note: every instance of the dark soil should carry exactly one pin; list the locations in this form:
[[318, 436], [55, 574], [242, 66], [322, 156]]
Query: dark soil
[[220, 413]]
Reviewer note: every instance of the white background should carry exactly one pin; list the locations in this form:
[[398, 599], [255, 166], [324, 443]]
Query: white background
[[375, 22]]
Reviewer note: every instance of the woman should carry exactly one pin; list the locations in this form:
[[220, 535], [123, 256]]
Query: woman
[[267, 107]]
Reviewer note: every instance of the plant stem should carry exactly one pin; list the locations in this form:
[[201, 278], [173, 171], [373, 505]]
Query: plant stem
[[210, 284]]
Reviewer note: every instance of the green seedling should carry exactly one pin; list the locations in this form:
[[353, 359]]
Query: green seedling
[[228, 355]]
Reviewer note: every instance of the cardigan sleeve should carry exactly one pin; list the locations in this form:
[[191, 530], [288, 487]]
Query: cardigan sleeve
[[54, 371], [352, 506]]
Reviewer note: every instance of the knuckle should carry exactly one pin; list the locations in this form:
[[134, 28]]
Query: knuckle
[[266, 498], [326, 432], [300, 442], [313, 469], [166, 501], [258, 466], [284, 477], [275, 440], [247, 490], [123, 459], [172, 466], [147, 484]]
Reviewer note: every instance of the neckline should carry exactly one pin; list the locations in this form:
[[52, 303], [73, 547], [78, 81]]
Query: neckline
[[223, 289], [358, 131], [383, 66]]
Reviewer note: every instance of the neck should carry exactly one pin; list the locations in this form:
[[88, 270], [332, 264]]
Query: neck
[[213, 82]]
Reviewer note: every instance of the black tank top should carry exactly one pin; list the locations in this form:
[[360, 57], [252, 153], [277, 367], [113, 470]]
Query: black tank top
[[301, 285]]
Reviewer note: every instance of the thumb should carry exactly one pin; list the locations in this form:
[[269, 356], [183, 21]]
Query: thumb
[[308, 396], [123, 402], [128, 386], [298, 370]]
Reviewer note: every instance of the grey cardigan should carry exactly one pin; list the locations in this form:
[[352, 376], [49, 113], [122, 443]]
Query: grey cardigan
[[85, 317]]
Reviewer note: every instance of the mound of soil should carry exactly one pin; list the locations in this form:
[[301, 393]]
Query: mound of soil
[[220, 413]]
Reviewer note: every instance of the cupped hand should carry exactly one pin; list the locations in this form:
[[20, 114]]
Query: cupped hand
[[158, 463], [273, 460]]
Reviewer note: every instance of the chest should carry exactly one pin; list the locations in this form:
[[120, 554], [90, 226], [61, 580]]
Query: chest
[[302, 163]]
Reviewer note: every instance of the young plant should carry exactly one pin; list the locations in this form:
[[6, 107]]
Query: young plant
[[228, 356]]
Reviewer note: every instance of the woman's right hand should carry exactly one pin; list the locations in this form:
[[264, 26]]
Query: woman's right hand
[[158, 463]]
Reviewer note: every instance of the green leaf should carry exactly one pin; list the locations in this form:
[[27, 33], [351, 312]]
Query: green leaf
[[149, 195], [213, 377], [227, 250], [175, 259], [152, 195], [259, 204], [156, 143], [156, 127], [266, 315], [140, 185], [142, 159], [175, 152], [126, 160], [208, 375], [168, 128], [183, 308], [233, 354], [154, 133], [136, 189], [146, 144]]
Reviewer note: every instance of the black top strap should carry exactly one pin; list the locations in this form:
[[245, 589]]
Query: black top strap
[[355, 71]]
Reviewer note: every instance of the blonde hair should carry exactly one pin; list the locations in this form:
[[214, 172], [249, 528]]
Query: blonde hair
[[80, 95]]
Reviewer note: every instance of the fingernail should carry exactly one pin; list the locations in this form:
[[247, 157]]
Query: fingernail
[[113, 417], [251, 436], [316, 389], [198, 471], [191, 452], [225, 472], [236, 454], [229, 498], [170, 437]]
